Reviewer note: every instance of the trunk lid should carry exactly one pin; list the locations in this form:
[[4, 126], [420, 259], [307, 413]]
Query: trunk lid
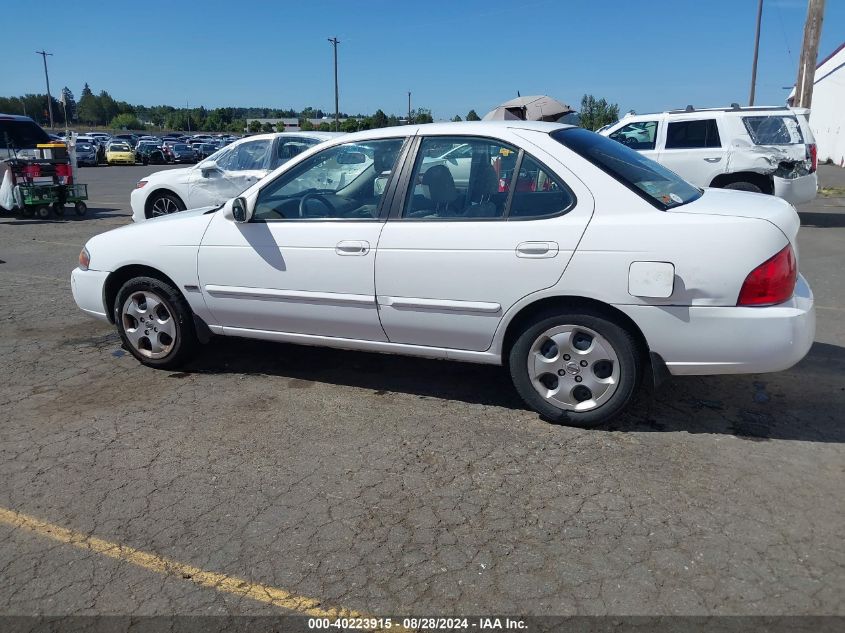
[[744, 204]]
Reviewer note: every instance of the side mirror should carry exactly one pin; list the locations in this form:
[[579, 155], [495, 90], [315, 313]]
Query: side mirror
[[240, 210], [208, 166]]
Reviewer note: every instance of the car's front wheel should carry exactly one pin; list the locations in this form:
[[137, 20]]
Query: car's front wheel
[[164, 204], [155, 323], [579, 369]]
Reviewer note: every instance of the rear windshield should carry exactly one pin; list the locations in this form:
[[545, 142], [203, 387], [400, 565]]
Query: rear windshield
[[119, 148], [21, 134], [773, 130], [653, 182]]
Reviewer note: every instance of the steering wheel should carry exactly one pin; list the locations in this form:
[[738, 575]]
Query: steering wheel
[[303, 203], [630, 141]]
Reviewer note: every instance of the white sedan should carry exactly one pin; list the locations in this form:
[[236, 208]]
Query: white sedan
[[591, 270], [221, 176]]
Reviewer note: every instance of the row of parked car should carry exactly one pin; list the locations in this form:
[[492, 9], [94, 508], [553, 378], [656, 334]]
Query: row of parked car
[[96, 148]]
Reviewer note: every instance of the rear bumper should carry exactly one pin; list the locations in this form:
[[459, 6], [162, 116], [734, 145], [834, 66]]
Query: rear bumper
[[797, 190], [87, 287], [703, 340]]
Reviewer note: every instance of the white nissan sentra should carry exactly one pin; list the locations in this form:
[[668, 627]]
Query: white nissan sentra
[[584, 267]]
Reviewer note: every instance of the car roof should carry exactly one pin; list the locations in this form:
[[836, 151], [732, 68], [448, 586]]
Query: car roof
[[733, 109], [16, 117], [471, 128]]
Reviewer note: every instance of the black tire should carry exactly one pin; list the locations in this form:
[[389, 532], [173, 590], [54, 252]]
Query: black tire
[[185, 342], [172, 198], [627, 350], [743, 186], [81, 208], [58, 209], [43, 212]]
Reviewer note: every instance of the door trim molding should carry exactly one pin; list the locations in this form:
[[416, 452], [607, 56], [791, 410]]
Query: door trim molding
[[438, 305], [303, 296]]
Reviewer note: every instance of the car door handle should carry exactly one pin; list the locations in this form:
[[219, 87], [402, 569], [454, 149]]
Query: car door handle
[[352, 247], [537, 249], [713, 160]]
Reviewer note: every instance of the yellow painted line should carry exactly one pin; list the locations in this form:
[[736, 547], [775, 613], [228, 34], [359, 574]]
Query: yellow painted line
[[166, 566]]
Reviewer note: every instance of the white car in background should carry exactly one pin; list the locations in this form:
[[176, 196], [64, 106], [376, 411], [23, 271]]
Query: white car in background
[[760, 149], [221, 176], [592, 270]]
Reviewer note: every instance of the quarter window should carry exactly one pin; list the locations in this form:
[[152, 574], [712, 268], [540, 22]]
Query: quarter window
[[343, 182], [638, 135], [538, 194], [692, 134], [287, 148]]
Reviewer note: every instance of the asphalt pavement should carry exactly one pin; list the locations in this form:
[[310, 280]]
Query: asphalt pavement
[[265, 476]]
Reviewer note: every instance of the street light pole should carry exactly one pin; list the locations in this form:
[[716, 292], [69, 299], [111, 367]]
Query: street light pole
[[756, 51], [335, 42], [409, 107], [47, 77]]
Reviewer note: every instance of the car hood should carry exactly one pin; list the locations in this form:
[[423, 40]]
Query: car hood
[[168, 174], [143, 242], [744, 204]]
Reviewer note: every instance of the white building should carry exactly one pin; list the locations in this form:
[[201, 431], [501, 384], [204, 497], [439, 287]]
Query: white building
[[827, 111]]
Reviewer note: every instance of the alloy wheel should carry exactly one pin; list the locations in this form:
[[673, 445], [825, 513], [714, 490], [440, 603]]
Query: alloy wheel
[[148, 324], [573, 367]]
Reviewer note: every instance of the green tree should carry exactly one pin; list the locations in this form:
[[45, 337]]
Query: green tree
[[457, 117], [305, 125], [472, 116], [379, 119], [254, 127], [421, 115], [126, 121], [325, 126], [267, 127], [596, 113], [350, 125], [88, 110], [70, 104]]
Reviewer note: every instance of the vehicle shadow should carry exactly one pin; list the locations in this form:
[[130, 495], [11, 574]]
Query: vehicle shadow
[[93, 213], [805, 403], [822, 219]]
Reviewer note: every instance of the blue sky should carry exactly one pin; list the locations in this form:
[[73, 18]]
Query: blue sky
[[453, 55]]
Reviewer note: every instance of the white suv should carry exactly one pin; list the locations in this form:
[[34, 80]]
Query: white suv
[[221, 176], [765, 150]]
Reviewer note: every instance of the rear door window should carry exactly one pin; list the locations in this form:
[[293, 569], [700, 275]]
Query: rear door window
[[692, 134], [773, 130]]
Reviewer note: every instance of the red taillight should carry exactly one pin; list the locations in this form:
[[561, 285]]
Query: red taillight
[[63, 170], [772, 282], [814, 157]]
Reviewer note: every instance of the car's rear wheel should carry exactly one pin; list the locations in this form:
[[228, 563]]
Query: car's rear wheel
[[164, 204], [578, 369], [743, 186], [155, 322]]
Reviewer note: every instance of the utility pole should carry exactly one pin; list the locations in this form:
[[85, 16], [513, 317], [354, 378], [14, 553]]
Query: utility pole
[[47, 77], [756, 51], [809, 54], [188, 115], [335, 42], [409, 107]]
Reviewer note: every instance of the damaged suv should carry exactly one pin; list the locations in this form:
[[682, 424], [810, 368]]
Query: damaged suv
[[765, 150]]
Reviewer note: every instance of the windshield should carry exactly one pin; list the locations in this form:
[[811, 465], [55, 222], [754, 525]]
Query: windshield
[[118, 147], [21, 134], [659, 186], [773, 130], [181, 147]]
